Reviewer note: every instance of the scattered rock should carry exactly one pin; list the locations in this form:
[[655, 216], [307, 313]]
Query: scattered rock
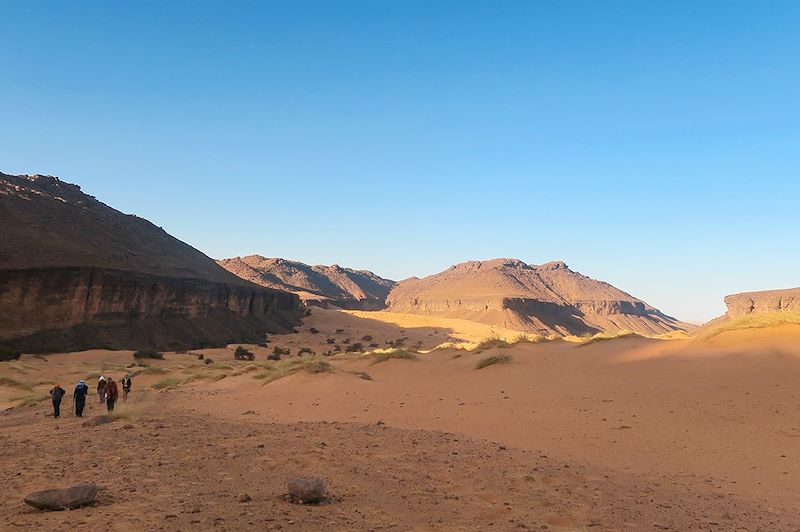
[[250, 413], [62, 499], [304, 490], [244, 497], [97, 420]]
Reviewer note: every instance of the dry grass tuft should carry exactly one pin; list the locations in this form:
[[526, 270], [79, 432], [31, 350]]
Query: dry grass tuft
[[12, 383], [165, 384], [492, 360], [605, 336], [284, 368], [382, 355], [31, 399]]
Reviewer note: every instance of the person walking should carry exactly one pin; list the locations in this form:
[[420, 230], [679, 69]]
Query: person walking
[[101, 389], [111, 394], [126, 387], [57, 393], [79, 397]]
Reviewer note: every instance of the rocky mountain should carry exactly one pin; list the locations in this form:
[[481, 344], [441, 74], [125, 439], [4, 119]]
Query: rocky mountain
[[748, 303], [76, 274], [549, 298], [324, 286]]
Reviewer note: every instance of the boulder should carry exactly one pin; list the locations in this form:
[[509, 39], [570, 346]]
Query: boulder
[[306, 490], [63, 499]]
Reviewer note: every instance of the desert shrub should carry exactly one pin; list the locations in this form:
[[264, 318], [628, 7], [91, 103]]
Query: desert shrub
[[305, 351], [346, 341], [355, 348], [148, 353], [492, 360], [367, 337], [312, 330], [273, 356], [339, 331], [382, 355], [208, 361], [242, 353], [169, 382], [295, 331], [330, 340], [7, 353], [265, 343], [337, 348], [281, 351]]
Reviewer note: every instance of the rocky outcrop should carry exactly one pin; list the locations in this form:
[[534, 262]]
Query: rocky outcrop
[[548, 298], [77, 274], [748, 303], [323, 286]]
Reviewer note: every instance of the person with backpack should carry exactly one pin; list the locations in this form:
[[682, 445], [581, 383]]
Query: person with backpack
[[79, 397], [101, 389], [111, 393], [57, 393]]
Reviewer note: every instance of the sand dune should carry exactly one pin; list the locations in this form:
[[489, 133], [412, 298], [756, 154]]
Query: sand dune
[[619, 434]]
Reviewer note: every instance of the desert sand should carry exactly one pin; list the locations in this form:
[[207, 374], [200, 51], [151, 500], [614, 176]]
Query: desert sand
[[628, 433]]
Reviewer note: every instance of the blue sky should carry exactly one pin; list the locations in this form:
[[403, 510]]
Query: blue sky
[[655, 145]]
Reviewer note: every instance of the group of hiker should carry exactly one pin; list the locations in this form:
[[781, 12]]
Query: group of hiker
[[107, 392]]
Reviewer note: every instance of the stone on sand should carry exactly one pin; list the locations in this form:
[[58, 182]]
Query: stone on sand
[[62, 499], [307, 490], [97, 420]]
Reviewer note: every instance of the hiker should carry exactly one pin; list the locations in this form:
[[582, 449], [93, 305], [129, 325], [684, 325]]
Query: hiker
[[101, 389], [79, 397], [126, 387], [111, 394], [57, 393]]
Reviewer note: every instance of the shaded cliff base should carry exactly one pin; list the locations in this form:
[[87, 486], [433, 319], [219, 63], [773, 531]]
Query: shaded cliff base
[[217, 329], [67, 309]]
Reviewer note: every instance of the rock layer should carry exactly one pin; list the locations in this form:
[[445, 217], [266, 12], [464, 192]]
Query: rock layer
[[548, 298], [77, 274], [323, 286]]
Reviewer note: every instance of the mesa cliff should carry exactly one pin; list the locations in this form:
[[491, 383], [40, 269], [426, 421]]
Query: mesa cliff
[[77, 274], [546, 299], [322, 286], [748, 303]]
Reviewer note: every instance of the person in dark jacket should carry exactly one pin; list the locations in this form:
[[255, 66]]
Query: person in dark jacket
[[126, 387], [79, 397], [111, 393], [57, 393]]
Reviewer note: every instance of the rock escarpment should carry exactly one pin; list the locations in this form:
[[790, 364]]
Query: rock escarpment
[[548, 298], [748, 303], [323, 286], [77, 274]]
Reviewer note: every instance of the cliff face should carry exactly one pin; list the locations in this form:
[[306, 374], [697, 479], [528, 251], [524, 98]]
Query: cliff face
[[761, 302], [324, 286], [547, 298], [77, 274]]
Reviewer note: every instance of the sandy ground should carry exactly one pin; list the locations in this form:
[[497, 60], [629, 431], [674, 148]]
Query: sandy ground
[[620, 434]]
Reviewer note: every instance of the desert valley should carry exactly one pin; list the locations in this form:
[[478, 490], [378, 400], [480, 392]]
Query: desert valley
[[494, 395]]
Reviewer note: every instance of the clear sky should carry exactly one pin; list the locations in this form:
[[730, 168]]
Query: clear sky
[[654, 145]]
